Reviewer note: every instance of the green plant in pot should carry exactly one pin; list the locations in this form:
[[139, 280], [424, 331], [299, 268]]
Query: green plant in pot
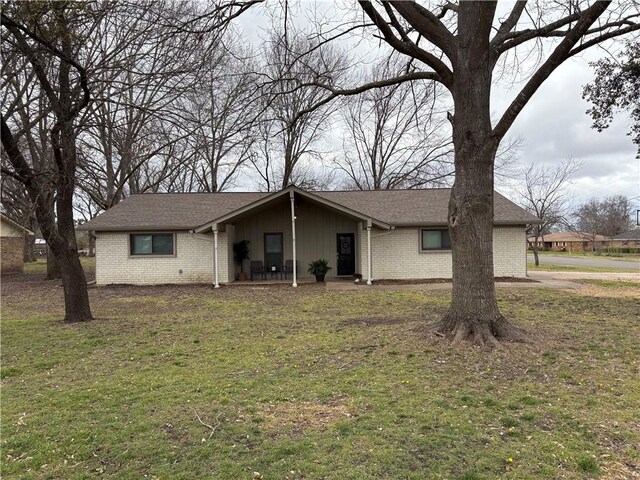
[[240, 254], [319, 268]]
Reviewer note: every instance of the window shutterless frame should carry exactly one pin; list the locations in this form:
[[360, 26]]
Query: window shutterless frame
[[434, 240], [152, 244]]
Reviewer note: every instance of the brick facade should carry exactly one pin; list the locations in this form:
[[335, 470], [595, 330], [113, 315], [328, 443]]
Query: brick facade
[[192, 263], [11, 254], [397, 254]]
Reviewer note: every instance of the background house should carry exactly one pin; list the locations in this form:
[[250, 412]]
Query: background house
[[11, 245], [630, 239], [571, 242]]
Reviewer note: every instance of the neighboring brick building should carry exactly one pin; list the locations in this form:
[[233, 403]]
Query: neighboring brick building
[[571, 242], [11, 245], [188, 238], [630, 239]]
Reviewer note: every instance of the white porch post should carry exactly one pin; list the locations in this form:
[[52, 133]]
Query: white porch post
[[216, 284], [293, 235], [369, 276]]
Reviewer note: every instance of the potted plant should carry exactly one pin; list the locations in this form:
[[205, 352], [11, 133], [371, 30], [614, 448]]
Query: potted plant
[[319, 268], [240, 254]]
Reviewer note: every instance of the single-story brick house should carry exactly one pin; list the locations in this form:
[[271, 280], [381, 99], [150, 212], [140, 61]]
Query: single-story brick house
[[627, 239], [11, 245], [392, 234], [571, 242]]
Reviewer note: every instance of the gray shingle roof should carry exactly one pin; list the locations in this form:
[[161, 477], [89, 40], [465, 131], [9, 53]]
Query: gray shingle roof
[[171, 211], [185, 211], [630, 235]]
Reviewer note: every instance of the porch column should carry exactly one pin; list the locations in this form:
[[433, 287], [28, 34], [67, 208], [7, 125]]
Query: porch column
[[293, 235], [216, 284], [369, 276]]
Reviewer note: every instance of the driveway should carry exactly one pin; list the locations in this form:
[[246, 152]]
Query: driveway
[[587, 262]]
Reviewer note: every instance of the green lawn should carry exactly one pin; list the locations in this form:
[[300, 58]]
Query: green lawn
[[315, 384], [531, 267], [608, 255], [40, 265]]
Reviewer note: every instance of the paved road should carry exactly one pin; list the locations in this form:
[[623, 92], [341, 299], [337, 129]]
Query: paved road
[[587, 262]]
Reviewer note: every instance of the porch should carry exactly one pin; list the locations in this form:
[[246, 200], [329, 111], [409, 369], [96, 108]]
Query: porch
[[285, 232]]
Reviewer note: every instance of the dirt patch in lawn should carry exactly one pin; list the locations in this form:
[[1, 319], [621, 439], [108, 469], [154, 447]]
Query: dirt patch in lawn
[[620, 471], [298, 417], [598, 291]]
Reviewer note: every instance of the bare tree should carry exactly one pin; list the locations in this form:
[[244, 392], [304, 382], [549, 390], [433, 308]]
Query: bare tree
[[220, 112], [395, 137], [287, 134], [51, 40], [142, 66], [543, 193], [609, 217], [461, 46], [53, 49]]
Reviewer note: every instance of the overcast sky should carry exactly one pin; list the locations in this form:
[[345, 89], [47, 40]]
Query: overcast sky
[[553, 126]]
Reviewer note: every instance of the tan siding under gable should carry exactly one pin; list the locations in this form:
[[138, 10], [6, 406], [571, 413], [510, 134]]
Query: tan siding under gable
[[316, 230]]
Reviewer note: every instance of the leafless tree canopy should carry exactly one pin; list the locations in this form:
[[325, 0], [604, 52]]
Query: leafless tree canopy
[[543, 192], [396, 136], [465, 46], [85, 86], [290, 129], [104, 99], [609, 216]]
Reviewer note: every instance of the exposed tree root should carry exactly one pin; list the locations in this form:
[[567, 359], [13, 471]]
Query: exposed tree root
[[485, 332]]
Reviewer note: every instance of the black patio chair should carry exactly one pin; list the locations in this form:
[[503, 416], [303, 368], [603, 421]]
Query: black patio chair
[[258, 268], [287, 268]]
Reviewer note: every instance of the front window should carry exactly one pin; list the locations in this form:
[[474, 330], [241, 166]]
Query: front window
[[435, 240], [152, 244]]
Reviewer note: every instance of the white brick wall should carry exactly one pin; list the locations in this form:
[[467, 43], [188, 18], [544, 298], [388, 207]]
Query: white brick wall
[[194, 256], [397, 255]]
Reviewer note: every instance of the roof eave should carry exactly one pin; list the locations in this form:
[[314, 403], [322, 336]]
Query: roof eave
[[247, 208], [147, 228]]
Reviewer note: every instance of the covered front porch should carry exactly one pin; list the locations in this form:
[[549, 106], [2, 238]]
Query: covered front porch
[[288, 230]]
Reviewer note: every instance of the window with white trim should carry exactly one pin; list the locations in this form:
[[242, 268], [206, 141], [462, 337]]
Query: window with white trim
[[435, 240], [145, 244]]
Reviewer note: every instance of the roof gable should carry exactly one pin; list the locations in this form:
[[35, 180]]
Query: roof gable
[[292, 190]]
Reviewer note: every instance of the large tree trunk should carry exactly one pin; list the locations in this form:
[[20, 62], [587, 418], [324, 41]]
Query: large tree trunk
[[53, 267], [63, 240], [474, 313], [29, 246], [534, 249]]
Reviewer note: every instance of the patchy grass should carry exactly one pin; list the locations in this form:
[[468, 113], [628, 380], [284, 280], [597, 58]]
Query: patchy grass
[[575, 268], [191, 382], [609, 288], [40, 266]]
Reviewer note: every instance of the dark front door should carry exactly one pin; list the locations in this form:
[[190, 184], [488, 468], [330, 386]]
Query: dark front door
[[346, 254], [273, 251]]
